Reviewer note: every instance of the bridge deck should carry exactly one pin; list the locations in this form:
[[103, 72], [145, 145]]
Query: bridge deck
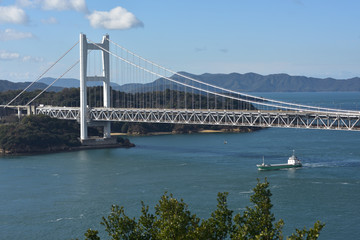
[[284, 119]]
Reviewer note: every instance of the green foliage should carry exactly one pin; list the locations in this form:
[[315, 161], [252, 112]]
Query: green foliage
[[70, 97], [257, 221], [67, 97], [92, 235], [38, 133], [219, 225], [312, 233], [173, 220], [119, 226]]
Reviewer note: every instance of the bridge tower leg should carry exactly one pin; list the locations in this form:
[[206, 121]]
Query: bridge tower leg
[[105, 78]]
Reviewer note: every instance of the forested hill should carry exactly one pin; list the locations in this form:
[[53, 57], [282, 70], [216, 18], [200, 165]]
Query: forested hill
[[248, 82], [252, 82]]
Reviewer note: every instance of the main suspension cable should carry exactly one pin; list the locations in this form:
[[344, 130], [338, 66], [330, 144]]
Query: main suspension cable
[[300, 106], [71, 67], [290, 107], [42, 74]]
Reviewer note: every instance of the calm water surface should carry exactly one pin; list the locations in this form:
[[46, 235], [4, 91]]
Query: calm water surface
[[59, 196]]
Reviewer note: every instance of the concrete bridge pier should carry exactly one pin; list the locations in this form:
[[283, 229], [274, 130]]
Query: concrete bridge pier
[[30, 110], [19, 110]]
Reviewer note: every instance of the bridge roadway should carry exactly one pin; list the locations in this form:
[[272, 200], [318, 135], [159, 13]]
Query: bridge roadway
[[283, 119]]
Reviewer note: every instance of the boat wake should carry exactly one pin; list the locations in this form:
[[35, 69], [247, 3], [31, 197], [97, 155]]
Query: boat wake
[[66, 218], [339, 163], [246, 192]]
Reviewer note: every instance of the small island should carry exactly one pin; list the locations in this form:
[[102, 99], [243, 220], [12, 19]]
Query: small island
[[42, 134]]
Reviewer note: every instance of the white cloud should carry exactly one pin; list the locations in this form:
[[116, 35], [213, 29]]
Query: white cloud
[[23, 76], [26, 3], [32, 59], [61, 5], [117, 18], [58, 5], [12, 34], [51, 20], [12, 14], [5, 55]]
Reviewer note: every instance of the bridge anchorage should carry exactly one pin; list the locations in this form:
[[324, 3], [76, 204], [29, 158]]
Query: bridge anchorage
[[151, 93]]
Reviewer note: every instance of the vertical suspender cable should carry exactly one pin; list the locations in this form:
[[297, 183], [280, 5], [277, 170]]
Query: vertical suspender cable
[[52, 65]]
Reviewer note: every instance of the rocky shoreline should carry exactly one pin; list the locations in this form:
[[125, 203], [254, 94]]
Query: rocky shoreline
[[63, 149], [190, 131], [124, 144]]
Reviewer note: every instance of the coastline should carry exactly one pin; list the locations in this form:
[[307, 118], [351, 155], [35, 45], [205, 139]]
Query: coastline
[[166, 133], [205, 131], [66, 149], [123, 144]]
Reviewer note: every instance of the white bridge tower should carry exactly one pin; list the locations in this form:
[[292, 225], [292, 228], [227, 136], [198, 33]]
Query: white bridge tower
[[105, 78]]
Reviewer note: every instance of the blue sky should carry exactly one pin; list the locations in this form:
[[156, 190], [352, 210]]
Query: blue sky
[[319, 38]]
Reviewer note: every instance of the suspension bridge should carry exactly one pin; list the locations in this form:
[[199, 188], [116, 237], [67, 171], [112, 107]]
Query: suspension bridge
[[152, 93]]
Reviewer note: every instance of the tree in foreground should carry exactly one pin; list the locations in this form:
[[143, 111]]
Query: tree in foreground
[[173, 220]]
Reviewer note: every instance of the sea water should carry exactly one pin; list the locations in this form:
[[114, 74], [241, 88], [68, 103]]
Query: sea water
[[61, 195]]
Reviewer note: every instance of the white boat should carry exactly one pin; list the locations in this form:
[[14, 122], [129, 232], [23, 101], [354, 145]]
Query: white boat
[[293, 162]]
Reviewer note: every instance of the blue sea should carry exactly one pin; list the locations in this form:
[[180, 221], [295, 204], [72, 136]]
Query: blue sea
[[61, 195]]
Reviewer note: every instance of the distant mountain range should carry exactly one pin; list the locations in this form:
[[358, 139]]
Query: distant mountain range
[[63, 82], [72, 83], [248, 82], [6, 85]]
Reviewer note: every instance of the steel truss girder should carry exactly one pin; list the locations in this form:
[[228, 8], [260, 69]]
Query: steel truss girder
[[283, 119], [69, 113]]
